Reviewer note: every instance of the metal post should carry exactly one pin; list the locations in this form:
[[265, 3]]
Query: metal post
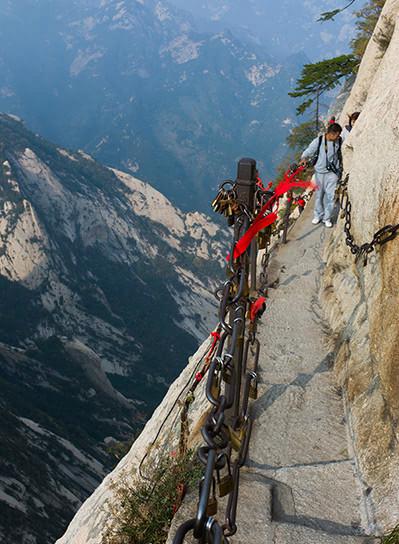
[[246, 182], [245, 186]]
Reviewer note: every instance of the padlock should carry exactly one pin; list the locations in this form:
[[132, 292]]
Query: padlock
[[212, 507], [226, 483], [215, 202], [253, 384], [215, 387], [236, 438], [262, 240]]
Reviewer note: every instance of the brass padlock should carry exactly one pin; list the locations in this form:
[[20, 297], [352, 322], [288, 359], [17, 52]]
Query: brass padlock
[[262, 240], [212, 507], [226, 483], [215, 202], [236, 438], [253, 390], [215, 387]]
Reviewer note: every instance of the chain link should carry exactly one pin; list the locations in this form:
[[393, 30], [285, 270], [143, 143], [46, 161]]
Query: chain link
[[381, 237]]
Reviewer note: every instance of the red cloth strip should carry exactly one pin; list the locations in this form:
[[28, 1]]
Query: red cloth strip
[[261, 221], [259, 224], [256, 307]]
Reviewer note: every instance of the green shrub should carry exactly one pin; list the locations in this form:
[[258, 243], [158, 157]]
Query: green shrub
[[144, 509], [392, 537]]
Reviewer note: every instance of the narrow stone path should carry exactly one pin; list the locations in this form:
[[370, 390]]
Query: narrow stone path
[[300, 485]]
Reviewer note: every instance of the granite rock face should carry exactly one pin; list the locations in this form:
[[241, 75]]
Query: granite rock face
[[362, 303]]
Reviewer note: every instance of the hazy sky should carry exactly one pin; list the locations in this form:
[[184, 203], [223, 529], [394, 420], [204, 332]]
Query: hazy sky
[[284, 26]]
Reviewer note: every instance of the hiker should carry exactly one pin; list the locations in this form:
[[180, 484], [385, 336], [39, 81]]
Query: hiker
[[326, 155], [352, 120]]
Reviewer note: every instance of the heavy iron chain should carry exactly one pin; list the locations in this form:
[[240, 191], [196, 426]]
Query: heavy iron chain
[[189, 398], [233, 372], [264, 239], [381, 237], [232, 380]]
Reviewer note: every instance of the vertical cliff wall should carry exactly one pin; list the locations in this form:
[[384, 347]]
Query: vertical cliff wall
[[363, 302]]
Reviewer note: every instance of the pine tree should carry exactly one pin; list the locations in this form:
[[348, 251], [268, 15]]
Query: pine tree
[[367, 20], [322, 76], [326, 75]]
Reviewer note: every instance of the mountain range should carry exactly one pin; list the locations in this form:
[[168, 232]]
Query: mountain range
[[106, 290], [138, 86], [283, 27]]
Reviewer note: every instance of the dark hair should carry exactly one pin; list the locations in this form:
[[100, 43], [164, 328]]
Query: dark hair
[[335, 128], [353, 117]]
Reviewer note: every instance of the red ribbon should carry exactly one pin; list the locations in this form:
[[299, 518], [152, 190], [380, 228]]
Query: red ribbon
[[261, 221], [256, 307], [259, 224]]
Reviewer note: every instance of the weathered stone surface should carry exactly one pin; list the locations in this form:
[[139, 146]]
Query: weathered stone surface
[[362, 302], [292, 534], [300, 441]]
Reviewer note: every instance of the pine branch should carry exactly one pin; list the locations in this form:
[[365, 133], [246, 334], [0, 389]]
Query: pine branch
[[329, 15], [322, 76]]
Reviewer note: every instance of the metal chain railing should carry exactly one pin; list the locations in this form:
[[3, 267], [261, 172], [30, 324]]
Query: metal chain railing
[[232, 376], [233, 372], [381, 237]]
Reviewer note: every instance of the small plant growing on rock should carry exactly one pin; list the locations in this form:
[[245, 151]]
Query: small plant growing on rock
[[144, 508], [392, 537]]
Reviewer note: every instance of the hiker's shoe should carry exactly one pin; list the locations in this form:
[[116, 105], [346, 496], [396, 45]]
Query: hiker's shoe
[[315, 221], [328, 223]]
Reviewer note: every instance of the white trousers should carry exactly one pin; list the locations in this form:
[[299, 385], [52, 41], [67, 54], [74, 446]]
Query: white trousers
[[325, 193]]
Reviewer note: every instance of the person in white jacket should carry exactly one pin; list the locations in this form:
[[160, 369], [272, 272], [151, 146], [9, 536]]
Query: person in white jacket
[[325, 150]]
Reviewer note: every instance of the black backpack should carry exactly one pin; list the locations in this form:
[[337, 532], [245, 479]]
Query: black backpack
[[339, 152], [316, 155]]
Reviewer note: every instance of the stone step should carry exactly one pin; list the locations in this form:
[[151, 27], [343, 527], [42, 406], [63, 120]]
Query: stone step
[[287, 533]]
